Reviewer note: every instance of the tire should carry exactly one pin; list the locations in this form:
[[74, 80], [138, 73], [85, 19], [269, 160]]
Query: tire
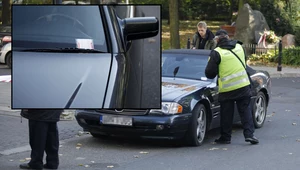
[[8, 60], [259, 111], [198, 126]]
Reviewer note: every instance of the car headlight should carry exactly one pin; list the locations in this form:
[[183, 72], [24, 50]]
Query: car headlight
[[168, 108]]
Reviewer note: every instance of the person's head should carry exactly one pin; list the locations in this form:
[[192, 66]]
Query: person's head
[[221, 34], [202, 27]]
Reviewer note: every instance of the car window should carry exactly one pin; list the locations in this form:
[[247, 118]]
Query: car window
[[58, 27], [190, 66]]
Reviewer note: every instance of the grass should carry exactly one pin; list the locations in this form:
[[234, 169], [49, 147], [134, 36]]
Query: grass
[[187, 29]]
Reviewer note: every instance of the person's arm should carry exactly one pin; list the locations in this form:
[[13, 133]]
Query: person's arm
[[212, 67], [193, 43], [214, 45]]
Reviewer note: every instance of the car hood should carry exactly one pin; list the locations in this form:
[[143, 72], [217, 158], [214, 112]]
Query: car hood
[[172, 89], [59, 80]]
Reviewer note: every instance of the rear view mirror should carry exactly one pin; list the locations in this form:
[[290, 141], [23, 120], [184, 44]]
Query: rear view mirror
[[140, 27]]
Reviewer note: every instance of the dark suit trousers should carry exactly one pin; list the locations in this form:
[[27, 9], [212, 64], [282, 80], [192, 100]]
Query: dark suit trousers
[[227, 113], [43, 136]]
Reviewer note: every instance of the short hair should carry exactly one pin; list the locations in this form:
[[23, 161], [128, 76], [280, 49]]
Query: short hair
[[202, 24]]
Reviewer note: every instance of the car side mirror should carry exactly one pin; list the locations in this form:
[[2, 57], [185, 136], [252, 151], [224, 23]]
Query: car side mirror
[[140, 27]]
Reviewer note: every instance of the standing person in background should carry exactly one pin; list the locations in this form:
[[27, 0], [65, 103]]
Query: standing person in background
[[203, 38], [228, 62], [43, 137]]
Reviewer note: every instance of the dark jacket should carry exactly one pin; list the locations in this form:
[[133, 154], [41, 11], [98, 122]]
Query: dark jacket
[[42, 115], [208, 40], [212, 70]]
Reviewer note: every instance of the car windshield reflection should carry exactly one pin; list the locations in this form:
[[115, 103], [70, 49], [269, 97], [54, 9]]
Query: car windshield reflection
[[58, 26]]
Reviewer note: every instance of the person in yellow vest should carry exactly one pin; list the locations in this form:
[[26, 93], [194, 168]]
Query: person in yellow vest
[[228, 61]]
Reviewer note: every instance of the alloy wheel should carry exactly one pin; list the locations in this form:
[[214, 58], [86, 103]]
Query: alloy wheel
[[201, 125]]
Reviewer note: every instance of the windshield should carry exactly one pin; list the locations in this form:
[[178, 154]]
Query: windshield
[[191, 66], [58, 27]]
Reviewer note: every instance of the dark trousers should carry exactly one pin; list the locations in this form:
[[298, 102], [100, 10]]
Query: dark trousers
[[227, 113], [43, 136]]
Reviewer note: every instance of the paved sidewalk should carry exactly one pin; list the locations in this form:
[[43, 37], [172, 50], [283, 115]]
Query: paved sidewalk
[[285, 71]]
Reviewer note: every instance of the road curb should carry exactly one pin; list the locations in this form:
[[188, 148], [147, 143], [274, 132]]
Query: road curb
[[279, 75], [67, 115]]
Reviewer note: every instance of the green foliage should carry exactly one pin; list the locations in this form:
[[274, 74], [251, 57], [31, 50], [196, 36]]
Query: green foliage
[[201, 10], [281, 16], [164, 6], [297, 36], [37, 2], [291, 56], [269, 56]]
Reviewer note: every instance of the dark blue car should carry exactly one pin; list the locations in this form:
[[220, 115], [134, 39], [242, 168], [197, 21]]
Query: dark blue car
[[190, 105]]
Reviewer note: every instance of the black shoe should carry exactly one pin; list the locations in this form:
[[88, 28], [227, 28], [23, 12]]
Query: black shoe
[[48, 167], [26, 166], [222, 141], [252, 140]]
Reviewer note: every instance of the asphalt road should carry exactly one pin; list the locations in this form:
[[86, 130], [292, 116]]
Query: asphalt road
[[279, 146], [4, 70]]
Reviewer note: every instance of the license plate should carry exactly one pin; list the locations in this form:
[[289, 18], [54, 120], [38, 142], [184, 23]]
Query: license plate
[[116, 120]]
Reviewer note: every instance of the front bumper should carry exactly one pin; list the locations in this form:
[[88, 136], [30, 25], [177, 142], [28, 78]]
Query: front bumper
[[144, 126]]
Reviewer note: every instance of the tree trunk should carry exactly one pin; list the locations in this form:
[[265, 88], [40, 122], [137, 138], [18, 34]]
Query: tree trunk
[[5, 12], [241, 5], [174, 24], [230, 12]]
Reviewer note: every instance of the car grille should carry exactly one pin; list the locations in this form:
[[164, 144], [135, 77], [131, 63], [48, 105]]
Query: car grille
[[131, 112]]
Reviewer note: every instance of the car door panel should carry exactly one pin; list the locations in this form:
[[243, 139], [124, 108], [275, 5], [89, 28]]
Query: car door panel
[[48, 80]]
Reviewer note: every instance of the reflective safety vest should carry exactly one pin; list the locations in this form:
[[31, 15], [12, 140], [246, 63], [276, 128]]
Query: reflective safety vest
[[232, 74]]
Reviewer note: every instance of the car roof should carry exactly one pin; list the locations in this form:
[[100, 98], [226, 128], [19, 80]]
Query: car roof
[[187, 51]]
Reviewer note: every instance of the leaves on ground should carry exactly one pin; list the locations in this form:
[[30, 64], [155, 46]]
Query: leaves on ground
[[142, 152], [294, 124], [87, 166], [77, 147], [110, 166], [290, 153], [136, 156], [80, 158], [287, 110], [11, 160], [22, 160], [80, 133], [225, 149], [211, 149], [27, 159], [270, 115], [60, 154], [92, 162], [79, 144]]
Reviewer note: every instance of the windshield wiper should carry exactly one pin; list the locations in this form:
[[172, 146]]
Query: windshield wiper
[[63, 50]]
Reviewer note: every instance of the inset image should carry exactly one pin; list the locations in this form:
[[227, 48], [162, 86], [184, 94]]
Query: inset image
[[86, 56]]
